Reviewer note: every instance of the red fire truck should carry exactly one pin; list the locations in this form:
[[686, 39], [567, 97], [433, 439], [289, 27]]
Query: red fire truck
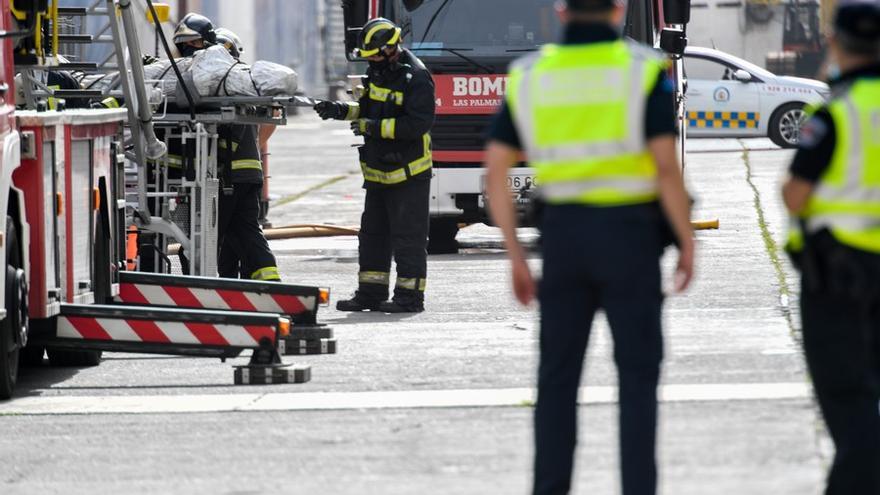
[[468, 46], [65, 218]]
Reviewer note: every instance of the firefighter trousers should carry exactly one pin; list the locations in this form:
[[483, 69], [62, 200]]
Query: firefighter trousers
[[621, 275], [395, 224], [243, 248]]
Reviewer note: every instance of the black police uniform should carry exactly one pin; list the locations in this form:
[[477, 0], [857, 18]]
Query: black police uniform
[[599, 258], [243, 248], [840, 310], [396, 162]]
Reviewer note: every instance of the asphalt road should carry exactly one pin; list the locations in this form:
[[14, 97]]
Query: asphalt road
[[441, 402]]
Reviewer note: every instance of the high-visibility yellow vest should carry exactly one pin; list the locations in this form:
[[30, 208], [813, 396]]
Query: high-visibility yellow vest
[[846, 200], [580, 113]]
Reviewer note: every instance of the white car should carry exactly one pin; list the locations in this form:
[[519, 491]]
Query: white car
[[730, 97]]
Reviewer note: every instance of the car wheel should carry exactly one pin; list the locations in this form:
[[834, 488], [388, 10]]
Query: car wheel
[[786, 123]]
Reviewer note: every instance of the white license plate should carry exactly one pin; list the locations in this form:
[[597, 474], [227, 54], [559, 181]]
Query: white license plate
[[518, 182]]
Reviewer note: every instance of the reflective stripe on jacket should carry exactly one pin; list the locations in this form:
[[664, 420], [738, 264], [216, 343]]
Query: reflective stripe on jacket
[[238, 148], [580, 111], [846, 200], [402, 102]]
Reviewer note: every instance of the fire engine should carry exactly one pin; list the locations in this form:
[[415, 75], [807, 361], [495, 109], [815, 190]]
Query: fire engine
[[468, 47], [77, 190]]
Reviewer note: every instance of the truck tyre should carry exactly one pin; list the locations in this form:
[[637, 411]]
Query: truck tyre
[[71, 358], [785, 125], [16, 321], [441, 236]]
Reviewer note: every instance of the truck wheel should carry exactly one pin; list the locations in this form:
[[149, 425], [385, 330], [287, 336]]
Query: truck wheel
[[785, 125], [70, 358], [441, 236], [16, 321]]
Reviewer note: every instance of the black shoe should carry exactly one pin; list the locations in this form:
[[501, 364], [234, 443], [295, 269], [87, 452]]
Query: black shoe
[[395, 307], [357, 303]]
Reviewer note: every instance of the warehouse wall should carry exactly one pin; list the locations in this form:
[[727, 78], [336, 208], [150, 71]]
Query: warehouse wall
[[725, 25]]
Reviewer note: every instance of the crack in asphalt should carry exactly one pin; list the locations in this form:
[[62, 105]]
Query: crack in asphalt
[[770, 246], [772, 249], [297, 196]]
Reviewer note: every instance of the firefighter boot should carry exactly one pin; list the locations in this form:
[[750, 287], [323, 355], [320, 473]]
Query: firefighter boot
[[405, 300], [359, 302], [397, 307]]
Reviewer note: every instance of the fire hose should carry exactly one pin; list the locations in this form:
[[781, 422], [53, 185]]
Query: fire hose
[[294, 232]]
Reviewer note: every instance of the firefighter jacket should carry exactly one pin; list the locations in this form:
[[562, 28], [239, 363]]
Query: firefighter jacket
[[238, 155], [401, 101]]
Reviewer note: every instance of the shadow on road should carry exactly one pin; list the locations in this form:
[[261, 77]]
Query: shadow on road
[[33, 379], [374, 317]]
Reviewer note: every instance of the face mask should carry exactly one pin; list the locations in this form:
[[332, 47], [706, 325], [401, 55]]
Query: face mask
[[387, 64], [187, 50], [380, 66]]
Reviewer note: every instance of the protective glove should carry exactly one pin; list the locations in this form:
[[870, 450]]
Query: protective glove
[[365, 127], [331, 110], [109, 102], [149, 59]]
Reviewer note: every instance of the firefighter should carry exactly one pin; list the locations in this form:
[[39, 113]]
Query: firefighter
[[832, 194], [595, 116], [243, 249], [395, 116], [233, 44], [193, 33]]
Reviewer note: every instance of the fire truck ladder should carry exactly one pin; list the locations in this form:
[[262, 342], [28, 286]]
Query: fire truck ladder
[[191, 321], [64, 30]]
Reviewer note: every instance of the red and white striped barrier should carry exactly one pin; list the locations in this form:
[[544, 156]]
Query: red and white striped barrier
[[217, 299], [162, 332]]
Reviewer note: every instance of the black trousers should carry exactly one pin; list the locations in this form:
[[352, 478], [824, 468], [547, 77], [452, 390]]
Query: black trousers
[[842, 345], [596, 258], [229, 263], [395, 224], [243, 248]]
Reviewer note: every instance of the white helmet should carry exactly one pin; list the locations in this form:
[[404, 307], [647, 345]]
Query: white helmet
[[230, 40]]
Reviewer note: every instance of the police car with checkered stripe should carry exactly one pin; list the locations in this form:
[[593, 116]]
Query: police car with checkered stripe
[[730, 97]]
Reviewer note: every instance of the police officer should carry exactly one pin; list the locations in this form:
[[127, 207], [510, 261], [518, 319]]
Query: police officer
[[833, 193], [395, 116], [595, 117], [244, 251]]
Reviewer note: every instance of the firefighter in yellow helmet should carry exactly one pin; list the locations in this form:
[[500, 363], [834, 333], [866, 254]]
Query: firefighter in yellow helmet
[[833, 194], [395, 116]]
